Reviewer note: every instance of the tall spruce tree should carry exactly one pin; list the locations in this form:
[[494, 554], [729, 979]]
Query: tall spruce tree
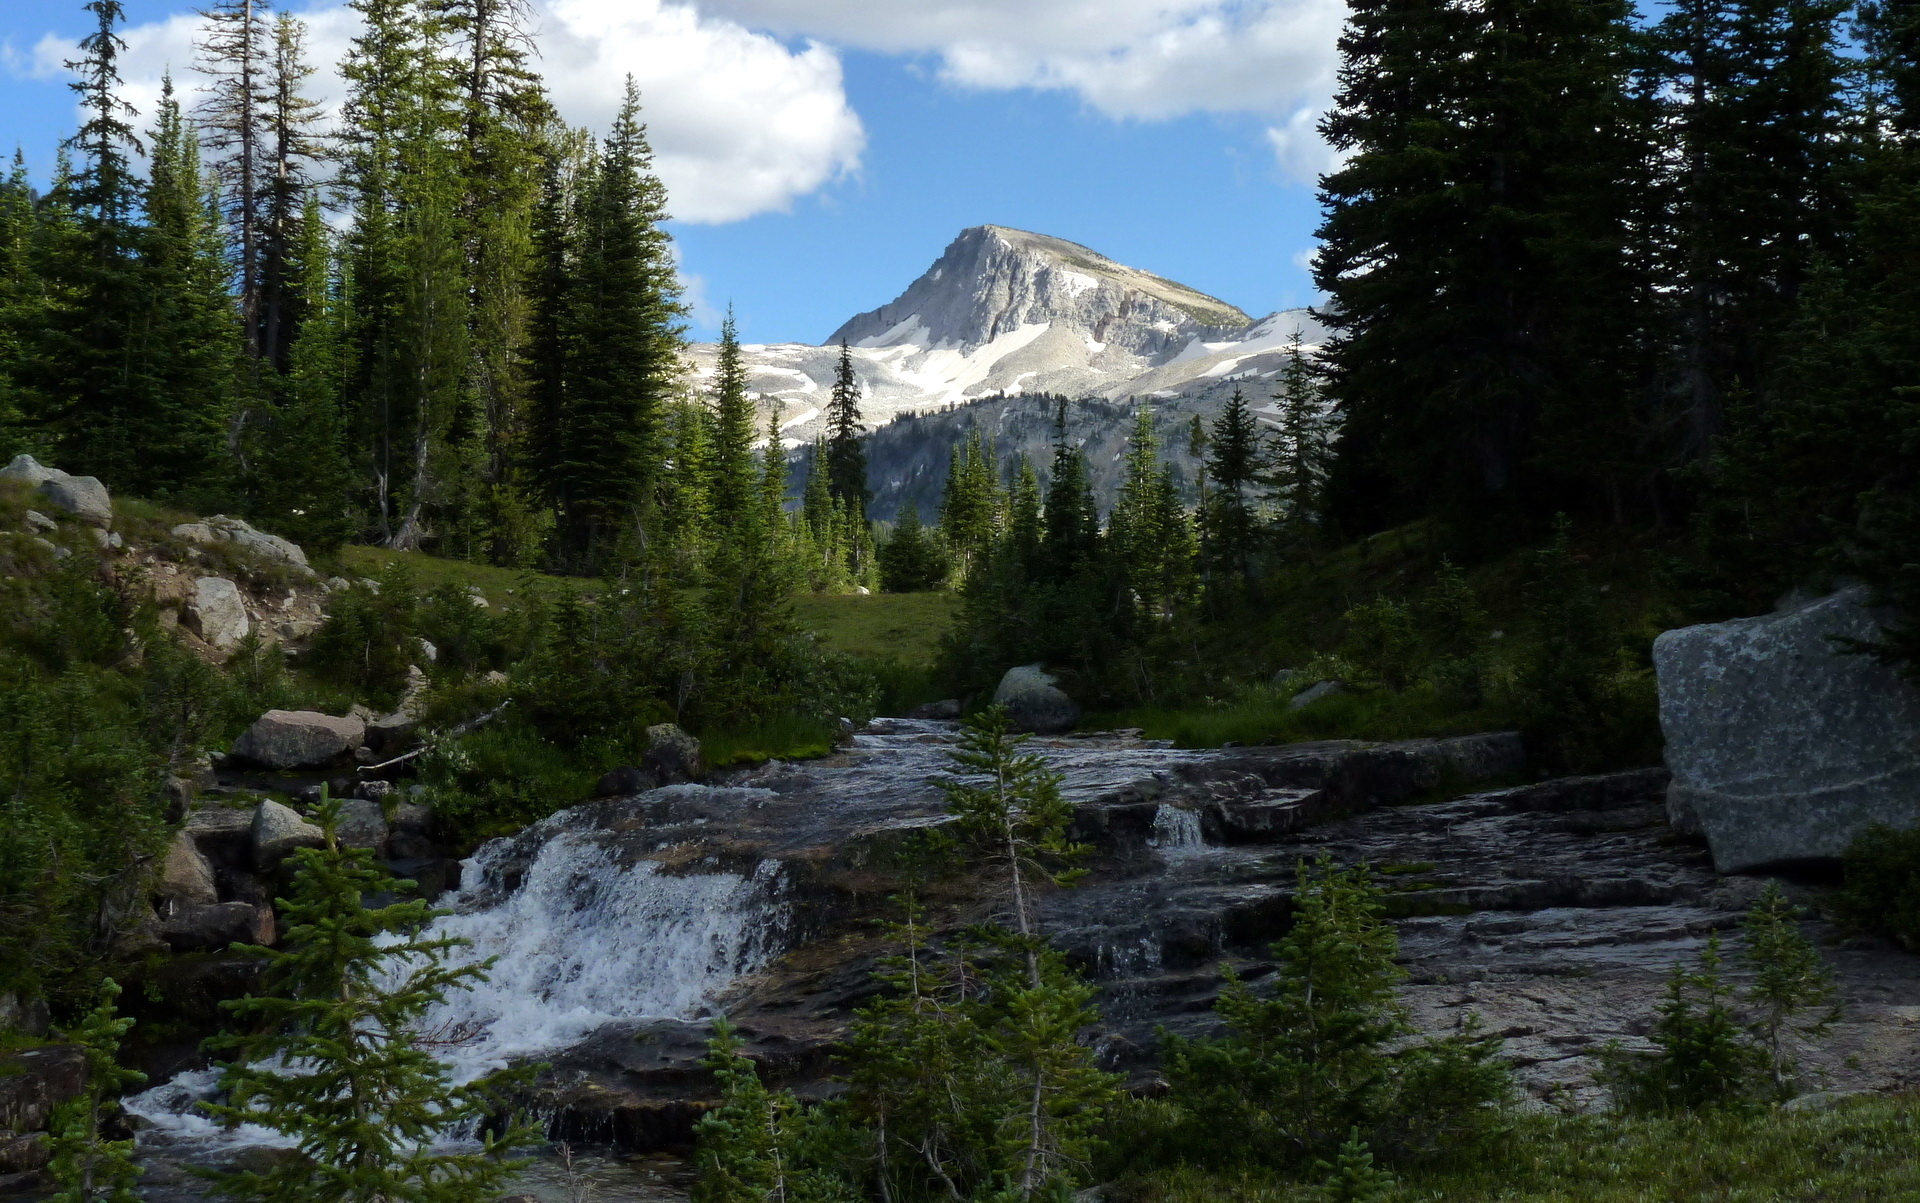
[[1233, 471], [846, 461], [1484, 297], [619, 320], [293, 149]]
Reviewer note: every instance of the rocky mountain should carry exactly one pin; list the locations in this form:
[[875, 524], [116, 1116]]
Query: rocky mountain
[[1008, 313]]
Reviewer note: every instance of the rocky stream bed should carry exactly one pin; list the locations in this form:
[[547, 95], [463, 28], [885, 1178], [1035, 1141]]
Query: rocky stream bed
[[1551, 909]]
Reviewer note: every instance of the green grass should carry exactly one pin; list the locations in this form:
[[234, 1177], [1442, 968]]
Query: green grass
[[884, 626], [788, 737], [499, 585], [1263, 717], [1863, 1150]]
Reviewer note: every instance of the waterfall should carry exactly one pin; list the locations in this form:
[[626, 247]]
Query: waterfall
[[1175, 827], [587, 940]]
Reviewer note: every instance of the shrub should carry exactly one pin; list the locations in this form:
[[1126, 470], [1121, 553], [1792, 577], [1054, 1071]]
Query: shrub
[[1882, 884], [1701, 1055]]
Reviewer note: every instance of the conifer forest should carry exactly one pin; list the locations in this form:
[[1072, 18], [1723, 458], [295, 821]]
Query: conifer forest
[[464, 739]]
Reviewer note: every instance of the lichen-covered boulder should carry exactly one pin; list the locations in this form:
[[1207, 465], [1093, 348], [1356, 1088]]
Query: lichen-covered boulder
[[278, 831], [1784, 745], [82, 496], [259, 542], [362, 824], [672, 755], [219, 612], [1035, 702], [295, 739]]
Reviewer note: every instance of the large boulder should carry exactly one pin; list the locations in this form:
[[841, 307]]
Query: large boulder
[[185, 876], [672, 755], [1784, 745], [277, 831], [1035, 702], [219, 612], [294, 739], [82, 496], [35, 1081], [362, 824]]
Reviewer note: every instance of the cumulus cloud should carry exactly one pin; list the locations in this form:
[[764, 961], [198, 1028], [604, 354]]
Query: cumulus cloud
[[1128, 59], [740, 123]]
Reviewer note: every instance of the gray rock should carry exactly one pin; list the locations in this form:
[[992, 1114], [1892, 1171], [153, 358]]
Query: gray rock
[[222, 834], [18, 1014], [337, 584], [210, 927], [391, 733], [1313, 693], [1783, 746], [219, 612], [1287, 678], [185, 876], [291, 739], [24, 1154], [195, 532], [672, 755], [361, 825], [941, 711], [1035, 702], [376, 791], [35, 1081], [277, 831], [39, 521], [29, 470], [269, 547], [413, 816], [82, 496]]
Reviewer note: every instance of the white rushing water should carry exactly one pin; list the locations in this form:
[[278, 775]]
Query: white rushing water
[[585, 941], [1175, 827]]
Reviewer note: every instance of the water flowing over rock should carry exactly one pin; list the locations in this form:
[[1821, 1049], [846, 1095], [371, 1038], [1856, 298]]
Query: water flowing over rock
[[1784, 743]]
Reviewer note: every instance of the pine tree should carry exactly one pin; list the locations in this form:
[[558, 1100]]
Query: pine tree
[[1233, 469], [970, 505], [237, 52], [189, 337], [350, 983], [87, 1167], [730, 466], [1792, 988], [1700, 1057], [846, 462], [1302, 451], [291, 151], [910, 561], [619, 339], [1353, 1178]]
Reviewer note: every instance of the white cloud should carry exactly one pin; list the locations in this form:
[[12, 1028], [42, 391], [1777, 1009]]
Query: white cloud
[[740, 123], [1142, 59]]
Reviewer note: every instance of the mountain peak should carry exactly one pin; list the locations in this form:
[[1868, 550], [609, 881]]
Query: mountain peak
[[996, 283]]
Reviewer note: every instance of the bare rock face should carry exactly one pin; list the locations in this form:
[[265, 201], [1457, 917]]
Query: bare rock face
[[185, 876], [1035, 702], [292, 739], [219, 612], [277, 831], [1783, 745], [213, 926]]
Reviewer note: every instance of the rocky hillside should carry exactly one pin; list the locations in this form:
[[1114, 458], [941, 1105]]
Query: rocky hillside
[[1005, 312]]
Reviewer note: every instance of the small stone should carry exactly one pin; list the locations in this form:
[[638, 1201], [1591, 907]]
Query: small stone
[[337, 584], [377, 791], [672, 755], [219, 612], [115, 541], [495, 677], [185, 876], [431, 652], [277, 831], [39, 521], [82, 496], [292, 739], [101, 537]]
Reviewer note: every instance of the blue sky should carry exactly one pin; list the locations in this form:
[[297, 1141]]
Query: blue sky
[[820, 158]]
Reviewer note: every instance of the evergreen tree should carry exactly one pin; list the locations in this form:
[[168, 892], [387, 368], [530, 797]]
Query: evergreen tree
[[846, 462], [188, 337], [1700, 1058], [1792, 990], [87, 1167], [291, 151], [970, 505], [350, 983], [1302, 451], [910, 561], [730, 465], [1233, 468], [753, 1146], [619, 343], [1484, 291], [238, 52]]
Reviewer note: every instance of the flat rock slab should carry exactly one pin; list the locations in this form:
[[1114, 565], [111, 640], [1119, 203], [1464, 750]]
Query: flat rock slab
[[1785, 745]]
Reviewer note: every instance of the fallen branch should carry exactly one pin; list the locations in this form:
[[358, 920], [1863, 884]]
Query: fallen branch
[[427, 746]]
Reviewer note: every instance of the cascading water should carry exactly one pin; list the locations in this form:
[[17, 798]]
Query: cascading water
[[586, 937], [1175, 828], [587, 940]]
